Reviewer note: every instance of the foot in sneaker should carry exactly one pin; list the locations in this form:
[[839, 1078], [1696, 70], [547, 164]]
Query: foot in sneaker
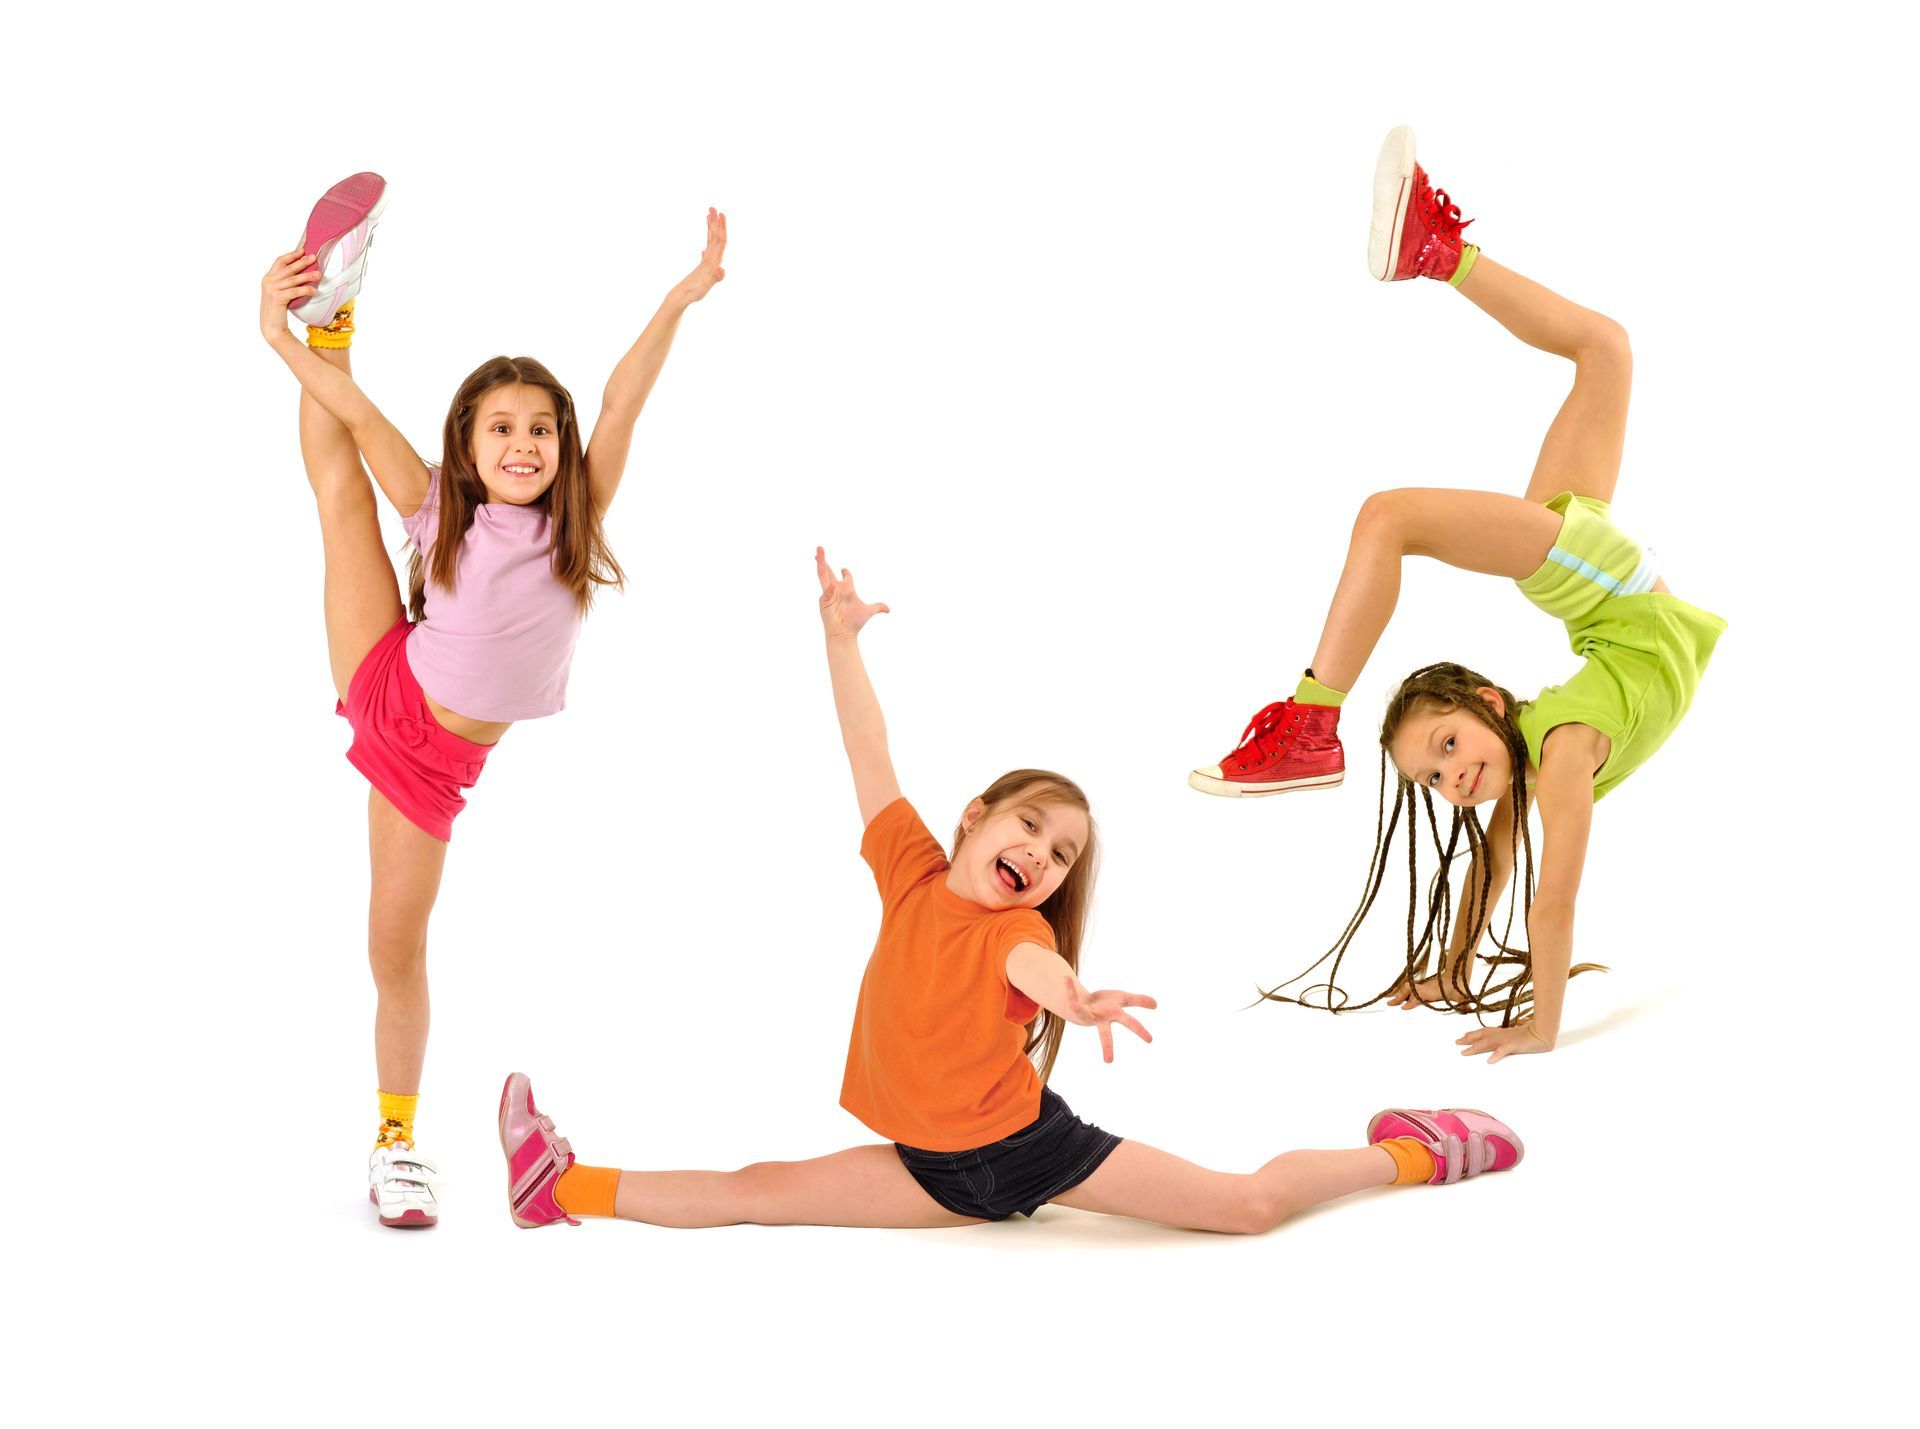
[[1416, 227], [400, 1185], [1463, 1142], [535, 1157], [338, 232], [1286, 746]]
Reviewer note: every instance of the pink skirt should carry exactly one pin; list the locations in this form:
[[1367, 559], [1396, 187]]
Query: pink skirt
[[399, 746]]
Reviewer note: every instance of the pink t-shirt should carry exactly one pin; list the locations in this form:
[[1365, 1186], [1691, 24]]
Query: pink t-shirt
[[497, 646]]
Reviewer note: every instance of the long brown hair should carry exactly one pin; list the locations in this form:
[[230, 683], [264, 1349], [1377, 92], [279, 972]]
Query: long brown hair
[[1507, 987], [581, 557], [1067, 906]]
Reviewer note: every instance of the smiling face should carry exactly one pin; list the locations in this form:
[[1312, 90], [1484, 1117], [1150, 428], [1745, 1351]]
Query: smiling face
[[1453, 753], [516, 442], [1017, 855]]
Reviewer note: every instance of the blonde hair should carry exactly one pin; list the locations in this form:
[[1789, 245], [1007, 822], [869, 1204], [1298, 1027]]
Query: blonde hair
[[1067, 906]]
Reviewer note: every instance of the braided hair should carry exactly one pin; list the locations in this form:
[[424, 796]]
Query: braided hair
[[1506, 988]]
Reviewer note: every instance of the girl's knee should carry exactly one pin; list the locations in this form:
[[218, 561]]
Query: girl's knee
[[396, 960], [1380, 517], [1604, 346], [1259, 1206]]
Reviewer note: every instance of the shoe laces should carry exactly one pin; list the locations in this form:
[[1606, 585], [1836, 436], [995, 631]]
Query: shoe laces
[[1438, 210], [1263, 734]]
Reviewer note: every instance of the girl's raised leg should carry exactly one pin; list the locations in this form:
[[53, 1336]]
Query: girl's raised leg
[[1582, 449], [1150, 1185], [361, 595], [863, 1186]]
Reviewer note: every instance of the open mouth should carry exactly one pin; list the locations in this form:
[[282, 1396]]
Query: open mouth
[[521, 470], [1011, 876]]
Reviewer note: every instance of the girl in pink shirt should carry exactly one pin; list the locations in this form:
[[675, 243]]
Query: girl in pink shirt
[[507, 552]]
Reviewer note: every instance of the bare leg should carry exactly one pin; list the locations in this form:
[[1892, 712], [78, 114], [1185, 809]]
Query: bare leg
[[406, 879], [865, 1186], [362, 601], [362, 594], [1474, 530], [1582, 449], [1151, 1185], [1482, 531]]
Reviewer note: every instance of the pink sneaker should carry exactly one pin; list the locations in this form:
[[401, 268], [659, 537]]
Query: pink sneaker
[[1464, 1143], [1416, 228], [535, 1157], [338, 233], [1285, 746]]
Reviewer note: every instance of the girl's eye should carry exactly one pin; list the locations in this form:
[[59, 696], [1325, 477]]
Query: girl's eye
[[1448, 746], [1029, 824], [1061, 859], [539, 431], [1433, 781]]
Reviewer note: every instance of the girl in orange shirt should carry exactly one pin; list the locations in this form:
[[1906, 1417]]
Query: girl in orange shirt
[[973, 979]]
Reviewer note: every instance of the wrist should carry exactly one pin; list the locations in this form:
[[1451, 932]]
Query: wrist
[[1541, 1034]]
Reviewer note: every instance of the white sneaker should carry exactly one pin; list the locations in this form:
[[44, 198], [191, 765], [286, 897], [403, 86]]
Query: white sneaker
[[338, 233], [400, 1184]]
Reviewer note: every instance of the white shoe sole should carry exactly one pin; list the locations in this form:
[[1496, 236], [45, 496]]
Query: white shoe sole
[[1392, 191], [1207, 784]]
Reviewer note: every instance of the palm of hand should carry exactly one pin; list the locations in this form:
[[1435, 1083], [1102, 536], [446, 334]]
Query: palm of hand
[[841, 609], [700, 281]]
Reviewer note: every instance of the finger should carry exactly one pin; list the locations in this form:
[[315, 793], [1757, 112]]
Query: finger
[[1106, 1041], [1134, 1027], [883, 610], [1137, 999], [1496, 1056], [821, 569]]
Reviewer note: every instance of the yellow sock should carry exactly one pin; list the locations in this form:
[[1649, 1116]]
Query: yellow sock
[[396, 1118], [1312, 692], [587, 1190], [1411, 1159], [336, 334], [1467, 254]]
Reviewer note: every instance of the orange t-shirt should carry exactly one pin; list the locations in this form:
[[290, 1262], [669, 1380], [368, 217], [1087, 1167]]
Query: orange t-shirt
[[936, 1057]]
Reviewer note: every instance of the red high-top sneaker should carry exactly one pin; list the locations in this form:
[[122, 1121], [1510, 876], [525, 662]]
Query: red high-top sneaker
[[1286, 746], [1416, 227]]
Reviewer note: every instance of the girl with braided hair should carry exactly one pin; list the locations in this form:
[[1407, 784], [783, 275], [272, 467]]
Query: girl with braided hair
[[1454, 732]]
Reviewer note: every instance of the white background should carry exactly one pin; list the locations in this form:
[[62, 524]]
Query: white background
[[1054, 324]]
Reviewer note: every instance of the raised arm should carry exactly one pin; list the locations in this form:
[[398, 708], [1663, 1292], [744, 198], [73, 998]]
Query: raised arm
[[1565, 796], [1043, 975], [395, 464], [636, 373], [862, 727]]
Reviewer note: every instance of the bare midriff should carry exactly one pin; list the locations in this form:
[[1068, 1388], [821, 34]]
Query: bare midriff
[[474, 731]]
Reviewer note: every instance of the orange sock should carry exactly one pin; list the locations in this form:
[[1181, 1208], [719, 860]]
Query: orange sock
[[589, 1190], [1410, 1158]]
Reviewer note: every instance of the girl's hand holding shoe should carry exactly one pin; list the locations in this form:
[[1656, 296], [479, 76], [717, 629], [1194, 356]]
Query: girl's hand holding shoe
[[1104, 1008], [293, 278]]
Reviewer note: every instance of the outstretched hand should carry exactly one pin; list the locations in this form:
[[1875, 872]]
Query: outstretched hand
[[841, 609], [293, 278], [697, 284], [1103, 1009]]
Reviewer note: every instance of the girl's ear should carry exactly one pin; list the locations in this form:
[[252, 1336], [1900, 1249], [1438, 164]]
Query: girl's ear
[[972, 816], [1492, 697]]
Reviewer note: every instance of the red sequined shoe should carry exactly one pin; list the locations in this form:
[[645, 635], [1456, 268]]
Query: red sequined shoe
[[1416, 227], [1286, 746]]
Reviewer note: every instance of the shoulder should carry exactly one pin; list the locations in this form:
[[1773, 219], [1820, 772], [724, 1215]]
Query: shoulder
[[429, 505], [1574, 745]]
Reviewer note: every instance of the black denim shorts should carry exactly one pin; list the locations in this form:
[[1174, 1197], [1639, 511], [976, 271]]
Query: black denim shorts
[[1019, 1173]]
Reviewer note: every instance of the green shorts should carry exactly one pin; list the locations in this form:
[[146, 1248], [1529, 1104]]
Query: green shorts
[[1592, 560]]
